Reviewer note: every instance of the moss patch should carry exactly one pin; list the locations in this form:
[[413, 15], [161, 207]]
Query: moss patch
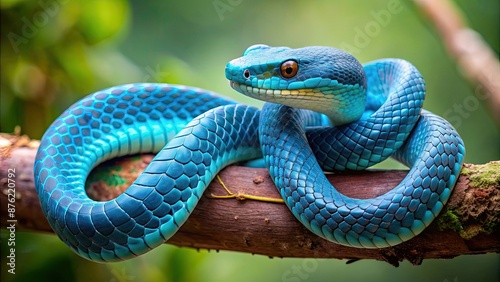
[[470, 231], [483, 176], [478, 211], [449, 220]]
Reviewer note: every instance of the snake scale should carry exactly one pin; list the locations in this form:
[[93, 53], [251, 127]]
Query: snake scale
[[325, 112]]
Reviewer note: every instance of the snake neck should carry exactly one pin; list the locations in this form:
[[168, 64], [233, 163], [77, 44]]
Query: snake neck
[[322, 79]]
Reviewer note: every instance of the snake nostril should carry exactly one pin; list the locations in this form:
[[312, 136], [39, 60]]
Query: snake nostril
[[246, 74]]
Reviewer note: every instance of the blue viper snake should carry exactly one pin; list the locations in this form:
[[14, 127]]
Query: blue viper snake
[[326, 112]]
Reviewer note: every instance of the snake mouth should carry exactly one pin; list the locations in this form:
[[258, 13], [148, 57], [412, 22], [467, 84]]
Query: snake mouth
[[256, 92], [273, 95]]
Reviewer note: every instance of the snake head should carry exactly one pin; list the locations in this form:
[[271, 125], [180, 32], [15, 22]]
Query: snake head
[[322, 79]]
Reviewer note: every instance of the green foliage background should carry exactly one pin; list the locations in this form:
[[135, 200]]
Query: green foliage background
[[54, 52]]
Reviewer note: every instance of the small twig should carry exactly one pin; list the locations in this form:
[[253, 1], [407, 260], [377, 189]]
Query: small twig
[[241, 196]]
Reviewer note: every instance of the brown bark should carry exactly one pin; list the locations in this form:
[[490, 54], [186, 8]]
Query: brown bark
[[469, 225]]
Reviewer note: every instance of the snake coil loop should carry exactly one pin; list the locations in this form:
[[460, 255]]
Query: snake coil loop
[[376, 113]]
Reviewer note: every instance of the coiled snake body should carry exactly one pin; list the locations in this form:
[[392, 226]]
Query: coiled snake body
[[375, 111]]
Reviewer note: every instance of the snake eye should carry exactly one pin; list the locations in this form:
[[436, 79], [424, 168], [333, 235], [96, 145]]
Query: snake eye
[[246, 74], [289, 68]]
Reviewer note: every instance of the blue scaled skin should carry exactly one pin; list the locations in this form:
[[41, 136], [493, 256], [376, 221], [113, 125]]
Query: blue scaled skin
[[375, 111], [203, 132], [390, 124]]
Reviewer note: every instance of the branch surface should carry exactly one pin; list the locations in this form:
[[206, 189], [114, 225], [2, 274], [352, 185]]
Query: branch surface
[[468, 225]]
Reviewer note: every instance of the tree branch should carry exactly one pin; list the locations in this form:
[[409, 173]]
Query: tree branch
[[469, 225], [474, 57]]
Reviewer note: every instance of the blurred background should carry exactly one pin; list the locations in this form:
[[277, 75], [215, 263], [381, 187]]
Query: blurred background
[[53, 52]]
